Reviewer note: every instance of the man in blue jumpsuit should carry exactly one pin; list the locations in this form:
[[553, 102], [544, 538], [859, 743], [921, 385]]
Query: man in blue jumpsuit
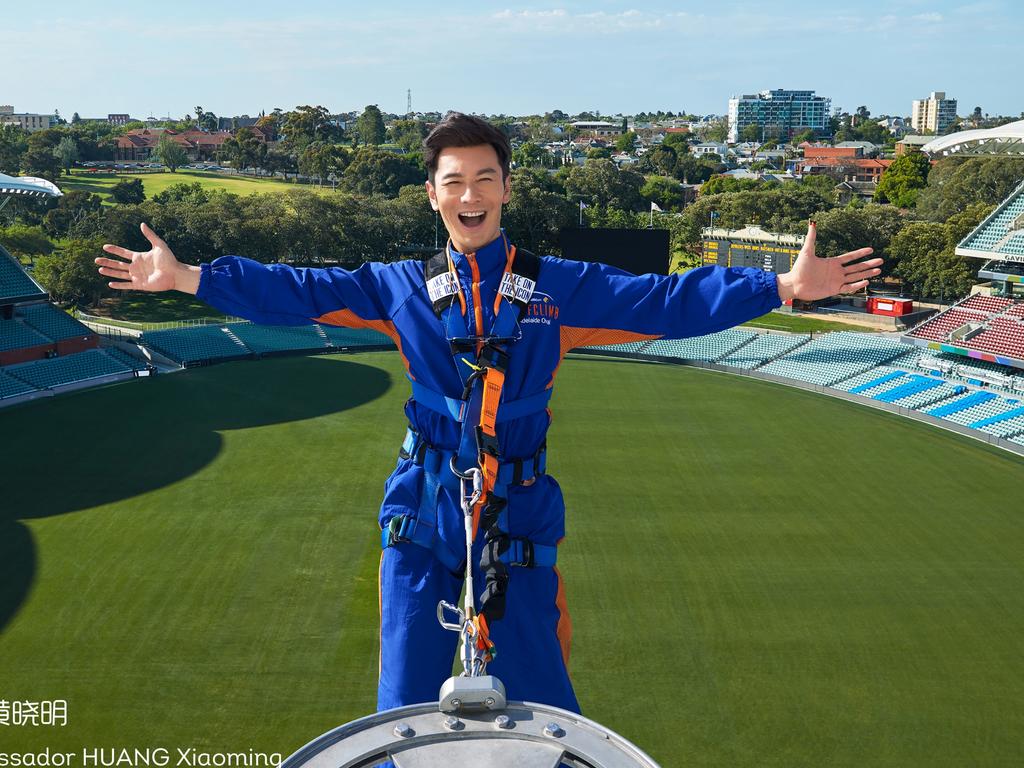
[[440, 324]]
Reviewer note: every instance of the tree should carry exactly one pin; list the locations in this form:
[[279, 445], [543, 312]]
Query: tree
[[307, 124], [678, 141], [246, 149], [67, 152], [841, 230], [600, 183], [374, 172], [320, 159], [171, 153], [665, 191], [903, 180], [76, 213], [751, 132], [128, 191], [956, 182], [529, 155], [370, 126], [409, 134], [537, 211], [13, 144], [70, 275], [39, 158], [25, 241], [599, 153], [927, 265], [626, 141]]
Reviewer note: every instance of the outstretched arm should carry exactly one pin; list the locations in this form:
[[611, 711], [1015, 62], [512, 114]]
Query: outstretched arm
[[813, 278], [275, 294], [152, 270]]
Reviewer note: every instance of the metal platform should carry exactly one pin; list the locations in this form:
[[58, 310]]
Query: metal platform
[[522, 735]]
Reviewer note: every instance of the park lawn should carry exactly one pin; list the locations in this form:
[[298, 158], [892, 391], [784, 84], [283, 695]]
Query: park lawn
[[154, 183], [148, 308], [757, 575], [784, 321]]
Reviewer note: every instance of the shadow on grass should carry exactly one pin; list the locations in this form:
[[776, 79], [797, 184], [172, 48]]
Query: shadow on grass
[[119, 442]]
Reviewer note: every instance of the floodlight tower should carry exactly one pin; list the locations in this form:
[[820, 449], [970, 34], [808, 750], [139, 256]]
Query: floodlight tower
[[408, 102]]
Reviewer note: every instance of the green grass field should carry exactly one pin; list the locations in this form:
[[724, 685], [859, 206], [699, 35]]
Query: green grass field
[[154, 183], [758, 576]]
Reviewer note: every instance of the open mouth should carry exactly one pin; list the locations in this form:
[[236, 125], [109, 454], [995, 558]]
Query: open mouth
[[472, 219]]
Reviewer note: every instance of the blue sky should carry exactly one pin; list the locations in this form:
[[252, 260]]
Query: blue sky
[[513, 58]]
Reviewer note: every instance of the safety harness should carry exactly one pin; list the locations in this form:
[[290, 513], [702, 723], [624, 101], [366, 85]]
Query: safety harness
[[482, 363]]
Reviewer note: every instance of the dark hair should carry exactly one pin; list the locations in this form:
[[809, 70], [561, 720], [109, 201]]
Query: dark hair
[[459, 130]]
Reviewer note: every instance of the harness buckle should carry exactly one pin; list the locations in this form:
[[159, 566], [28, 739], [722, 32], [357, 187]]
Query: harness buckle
[[400, 529], [494, 357], [486, 444], [520, 553]]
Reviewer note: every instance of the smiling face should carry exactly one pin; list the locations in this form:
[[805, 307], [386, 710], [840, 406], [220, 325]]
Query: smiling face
[[468, 191]]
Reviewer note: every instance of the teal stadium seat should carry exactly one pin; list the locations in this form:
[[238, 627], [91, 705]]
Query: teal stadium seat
[[81, 366], [52, 322], [14, 334]]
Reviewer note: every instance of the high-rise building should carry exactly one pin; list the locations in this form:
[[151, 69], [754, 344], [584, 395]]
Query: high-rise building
[[779, 113], [935, 114]]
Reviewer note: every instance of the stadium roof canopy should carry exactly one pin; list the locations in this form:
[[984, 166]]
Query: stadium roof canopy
[[1003, 140], [1001, 235], [27, 185]]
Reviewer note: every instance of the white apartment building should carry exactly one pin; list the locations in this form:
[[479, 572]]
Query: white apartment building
[[934, 114]]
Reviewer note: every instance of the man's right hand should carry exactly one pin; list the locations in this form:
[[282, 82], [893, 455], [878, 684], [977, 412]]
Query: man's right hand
[[152, 270]]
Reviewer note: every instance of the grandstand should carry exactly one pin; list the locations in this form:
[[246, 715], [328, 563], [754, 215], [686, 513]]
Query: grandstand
[[987, 327], [43, 349], [204, 344]]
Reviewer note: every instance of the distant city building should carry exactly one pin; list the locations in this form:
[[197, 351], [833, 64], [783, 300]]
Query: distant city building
[[119, 119], [139, 144], [27, 120], [935, 114], [597, 128], [710, 148], [779, 113]]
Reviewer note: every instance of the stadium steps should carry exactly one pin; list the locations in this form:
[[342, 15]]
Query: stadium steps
[[877, 382], [916, 385], [997, 418], [263, 339], [926, 398], [763, 349], [972, 399]]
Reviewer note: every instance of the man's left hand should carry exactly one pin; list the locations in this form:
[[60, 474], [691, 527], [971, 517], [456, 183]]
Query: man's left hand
[[813, 278]]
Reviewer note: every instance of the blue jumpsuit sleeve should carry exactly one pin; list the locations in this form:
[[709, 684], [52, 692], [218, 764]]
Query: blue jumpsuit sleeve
[[277, 294], [675, 306]]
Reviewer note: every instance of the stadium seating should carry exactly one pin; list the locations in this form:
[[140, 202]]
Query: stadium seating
[[992, 235], [14, 283], [12, 387], [52, 322], [702, 348], [988, 304], [982, 410], [941, 325], [126, 359], [355, 337], [1003, 336], [961, 402], [278, 338], [764, 348], [45, 374], [1004, 424], [927, 393], [14, 334], [634, 347], [197, 344], [833, 357]]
